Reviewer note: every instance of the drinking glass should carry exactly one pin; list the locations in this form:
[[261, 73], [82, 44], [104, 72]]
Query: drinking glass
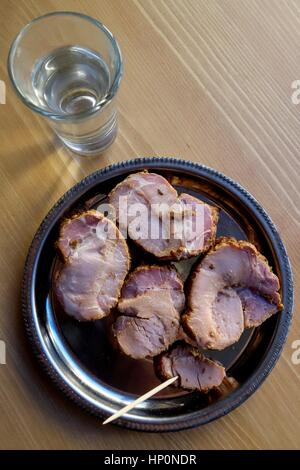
[[67, 67]]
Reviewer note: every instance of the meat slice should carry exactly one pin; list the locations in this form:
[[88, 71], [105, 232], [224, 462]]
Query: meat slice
[[169, 226], [194, 370], [233, 287], [96, 262], [150, 305]]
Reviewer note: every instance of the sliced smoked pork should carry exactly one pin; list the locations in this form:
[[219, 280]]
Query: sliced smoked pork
[[164, 224], [96, 262], [194, 370], [233, 287], [149, 311]]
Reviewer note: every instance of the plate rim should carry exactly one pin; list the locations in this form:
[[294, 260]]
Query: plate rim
[[238, 396]]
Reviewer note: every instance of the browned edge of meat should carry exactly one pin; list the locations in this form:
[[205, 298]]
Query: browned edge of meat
[[166, 366], [215, 211], [183, 336]]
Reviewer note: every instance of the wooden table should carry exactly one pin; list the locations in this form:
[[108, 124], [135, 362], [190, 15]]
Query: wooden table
[[209, 81]]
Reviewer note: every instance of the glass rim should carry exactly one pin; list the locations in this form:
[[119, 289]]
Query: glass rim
[[103, 102]]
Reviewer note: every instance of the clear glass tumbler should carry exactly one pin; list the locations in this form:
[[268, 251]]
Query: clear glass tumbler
[[67, 67]]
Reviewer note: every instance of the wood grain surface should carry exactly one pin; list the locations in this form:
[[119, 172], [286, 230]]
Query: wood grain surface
[[205, 80]]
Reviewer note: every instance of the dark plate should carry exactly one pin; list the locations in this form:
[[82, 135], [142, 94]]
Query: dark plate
[[79, 358]]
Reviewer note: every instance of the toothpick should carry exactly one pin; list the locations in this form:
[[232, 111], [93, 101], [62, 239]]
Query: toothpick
[[139, 400]]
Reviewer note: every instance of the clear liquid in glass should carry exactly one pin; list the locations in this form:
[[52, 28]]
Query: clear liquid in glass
[[73, 80]]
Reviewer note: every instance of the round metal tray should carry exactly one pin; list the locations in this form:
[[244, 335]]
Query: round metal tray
[[79, 358]]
